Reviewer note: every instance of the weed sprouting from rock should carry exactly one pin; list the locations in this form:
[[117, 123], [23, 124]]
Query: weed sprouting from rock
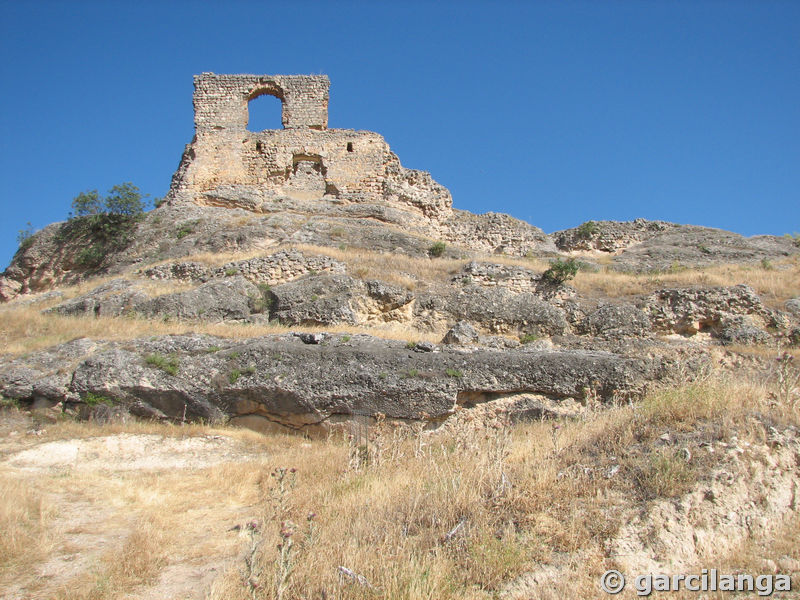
[[168, 364]]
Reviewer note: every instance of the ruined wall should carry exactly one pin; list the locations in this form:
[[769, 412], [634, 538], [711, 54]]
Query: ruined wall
[[227, 165], [220, 101]]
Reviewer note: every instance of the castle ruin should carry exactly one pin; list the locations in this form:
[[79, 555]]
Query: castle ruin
[[228, 165]]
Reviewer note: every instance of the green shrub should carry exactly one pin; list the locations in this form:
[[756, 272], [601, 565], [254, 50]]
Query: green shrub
[[454, 373], [234, 375], [168, 364], [587, 230], [528, 338], [212, 349], [8, 402], [345, 338], [101, 226], [411, 345], [230, 272], [92, 399], [183, 231], [437, 249], [561, 271], [125, 199]]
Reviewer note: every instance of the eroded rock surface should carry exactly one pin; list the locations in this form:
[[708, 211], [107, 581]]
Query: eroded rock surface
[[298, 385]]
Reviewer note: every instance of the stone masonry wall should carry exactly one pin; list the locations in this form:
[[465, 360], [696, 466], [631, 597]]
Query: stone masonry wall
[[280, 267], [220, 101]]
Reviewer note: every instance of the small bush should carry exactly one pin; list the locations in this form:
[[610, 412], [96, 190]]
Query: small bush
[[212, 349], [8, 402], [411, 345], [234, 375], [665, 474], [528, 338], [561, 271], [587, 230], [411, 373], [345, 338], [25, 237], [102, 226], [183, 231], [231, 272], [92, 399], [437, 249], [168, 364], [454, 373]]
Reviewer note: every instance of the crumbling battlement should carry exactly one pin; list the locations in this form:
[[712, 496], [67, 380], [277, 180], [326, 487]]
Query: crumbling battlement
[[220, 101], [227, 165]]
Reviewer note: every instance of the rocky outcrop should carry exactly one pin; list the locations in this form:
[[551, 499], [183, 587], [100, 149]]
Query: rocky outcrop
[[609, 236], [283, 380], [112, 299], [692, 310], [616, 321], [643, 245], [692, 246], [496, 233], [512, 278]]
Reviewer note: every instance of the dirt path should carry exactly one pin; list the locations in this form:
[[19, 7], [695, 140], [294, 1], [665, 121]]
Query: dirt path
[[150, 514]]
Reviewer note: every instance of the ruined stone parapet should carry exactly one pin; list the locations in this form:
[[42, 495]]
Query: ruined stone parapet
[[496, 233], [220, 101]]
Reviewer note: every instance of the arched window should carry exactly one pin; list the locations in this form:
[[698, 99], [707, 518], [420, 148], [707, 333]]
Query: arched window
[[264, 111]]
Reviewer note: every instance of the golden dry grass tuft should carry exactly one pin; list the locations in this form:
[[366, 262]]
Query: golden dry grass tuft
[[25, 519]]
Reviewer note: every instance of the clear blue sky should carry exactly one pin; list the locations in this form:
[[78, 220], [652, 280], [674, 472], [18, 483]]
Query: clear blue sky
[[555, 112]]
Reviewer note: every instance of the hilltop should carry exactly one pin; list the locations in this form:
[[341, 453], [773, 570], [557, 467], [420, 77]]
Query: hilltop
[[476, 383]]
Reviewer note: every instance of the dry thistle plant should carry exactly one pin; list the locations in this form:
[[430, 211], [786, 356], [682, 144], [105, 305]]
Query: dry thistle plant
[[788, 381], [498, 451], [256, 563]]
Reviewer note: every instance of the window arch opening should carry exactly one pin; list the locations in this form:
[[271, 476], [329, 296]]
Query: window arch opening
[[264, 111]]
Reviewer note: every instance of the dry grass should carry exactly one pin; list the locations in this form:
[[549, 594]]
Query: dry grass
[[25, 329], [775, 285], [457, 514], [137, 561], [25, 518]]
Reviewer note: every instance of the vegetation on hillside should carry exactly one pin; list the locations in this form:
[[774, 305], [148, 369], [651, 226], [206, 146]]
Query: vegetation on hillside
[[103, 225]]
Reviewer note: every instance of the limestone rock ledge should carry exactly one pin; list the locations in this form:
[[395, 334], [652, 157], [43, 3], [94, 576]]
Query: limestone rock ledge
[[309, 382]]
